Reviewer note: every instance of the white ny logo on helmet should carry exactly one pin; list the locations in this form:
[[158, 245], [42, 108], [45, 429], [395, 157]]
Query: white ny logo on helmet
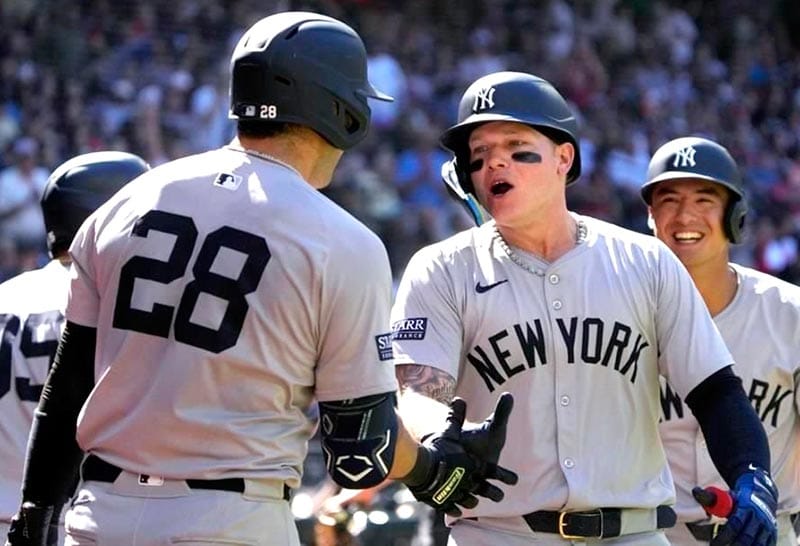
[[484, 99], [685, 157]]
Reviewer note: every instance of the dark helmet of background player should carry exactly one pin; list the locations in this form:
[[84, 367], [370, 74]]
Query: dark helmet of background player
[[696, 157], [512, 96], [305, 68], [78, 187]]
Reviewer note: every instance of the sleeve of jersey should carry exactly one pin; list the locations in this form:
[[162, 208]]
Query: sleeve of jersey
[[84, 301], [355, 356], [690, 347], [426, 322]]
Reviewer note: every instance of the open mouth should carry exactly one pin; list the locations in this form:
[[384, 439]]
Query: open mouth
[[687, 237], [500, 187]]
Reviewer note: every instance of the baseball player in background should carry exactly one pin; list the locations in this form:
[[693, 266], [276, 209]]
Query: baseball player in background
[[32, 307], [577, 318], [697, 206], [212, 302]]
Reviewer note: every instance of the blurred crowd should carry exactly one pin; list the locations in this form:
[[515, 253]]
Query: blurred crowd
[[150, 77]]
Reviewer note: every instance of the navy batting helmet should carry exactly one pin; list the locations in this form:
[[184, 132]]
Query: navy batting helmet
[[512, 96], [78, 187], [305, 68], [696, 157]]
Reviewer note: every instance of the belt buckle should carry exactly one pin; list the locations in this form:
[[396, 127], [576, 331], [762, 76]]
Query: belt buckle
[[562, 524]]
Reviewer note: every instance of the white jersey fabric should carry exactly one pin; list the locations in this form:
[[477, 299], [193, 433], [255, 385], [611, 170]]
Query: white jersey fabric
[[31, 318], [580, 346], [761, 328], [227, 293]]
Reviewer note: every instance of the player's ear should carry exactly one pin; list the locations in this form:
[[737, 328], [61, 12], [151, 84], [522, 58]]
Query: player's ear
[[651, 223], [565, 153]]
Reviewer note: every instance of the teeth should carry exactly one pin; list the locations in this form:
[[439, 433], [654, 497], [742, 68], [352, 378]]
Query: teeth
[[688, 236]]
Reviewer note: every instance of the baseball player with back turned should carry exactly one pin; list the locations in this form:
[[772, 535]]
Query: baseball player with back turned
[[696, 203], [212, 302], [32, 307], [577, 318]]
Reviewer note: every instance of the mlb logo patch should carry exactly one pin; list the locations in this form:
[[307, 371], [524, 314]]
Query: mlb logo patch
[[384, 344], [228, 181], [410, 328]]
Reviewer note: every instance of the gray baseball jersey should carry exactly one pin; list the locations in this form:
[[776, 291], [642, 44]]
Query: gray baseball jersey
[[580, 342], [31, 319], [226, 293], [761, 327]]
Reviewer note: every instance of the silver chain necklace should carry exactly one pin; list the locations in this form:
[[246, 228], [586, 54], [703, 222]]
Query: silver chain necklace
[[580, 237], [268, 157]]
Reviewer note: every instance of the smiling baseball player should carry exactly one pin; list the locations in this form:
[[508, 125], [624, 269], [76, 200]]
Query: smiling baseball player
[[696, 201], [578, 319]]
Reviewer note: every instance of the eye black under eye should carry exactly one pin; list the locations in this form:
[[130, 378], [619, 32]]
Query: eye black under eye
[[526, 157], [475, 166]]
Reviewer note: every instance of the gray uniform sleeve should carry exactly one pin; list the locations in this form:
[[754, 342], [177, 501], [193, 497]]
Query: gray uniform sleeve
[[425, 308], [354, 322], [690, 347]]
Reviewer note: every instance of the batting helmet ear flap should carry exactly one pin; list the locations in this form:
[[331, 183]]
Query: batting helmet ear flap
[[452, 177], [735, 214]]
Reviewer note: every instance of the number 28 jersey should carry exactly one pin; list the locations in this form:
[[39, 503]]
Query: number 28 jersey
[[227, 293]]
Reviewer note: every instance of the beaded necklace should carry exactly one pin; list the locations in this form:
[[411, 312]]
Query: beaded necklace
[[580, 237]]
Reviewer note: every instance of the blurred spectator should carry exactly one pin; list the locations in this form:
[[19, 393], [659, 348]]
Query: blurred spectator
[[480, 59], [21, 187], [430, 213]]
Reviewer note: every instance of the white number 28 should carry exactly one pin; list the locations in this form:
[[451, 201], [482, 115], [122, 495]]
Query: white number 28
[[269, 111]]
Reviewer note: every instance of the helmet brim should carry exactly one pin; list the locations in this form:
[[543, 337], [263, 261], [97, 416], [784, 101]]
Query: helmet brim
[[453, 137], [647, 189], [373, 93]]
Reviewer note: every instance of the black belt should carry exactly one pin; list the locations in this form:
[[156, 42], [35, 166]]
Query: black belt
[[704, 532], [599, 523], [96, 469]]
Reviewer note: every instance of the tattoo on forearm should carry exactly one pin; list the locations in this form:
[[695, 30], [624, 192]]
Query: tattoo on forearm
[[426, 380]]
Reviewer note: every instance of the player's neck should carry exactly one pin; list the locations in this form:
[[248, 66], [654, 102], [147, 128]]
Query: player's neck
[[312, 157], [717, 283], [548, 239]]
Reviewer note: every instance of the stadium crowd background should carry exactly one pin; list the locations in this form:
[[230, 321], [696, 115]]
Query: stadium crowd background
[[150, 77]]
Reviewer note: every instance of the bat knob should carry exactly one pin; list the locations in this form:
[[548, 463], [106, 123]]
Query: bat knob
[[715, 501]]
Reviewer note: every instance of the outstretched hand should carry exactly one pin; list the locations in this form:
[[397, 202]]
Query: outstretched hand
[[486, 441], [455, 475]]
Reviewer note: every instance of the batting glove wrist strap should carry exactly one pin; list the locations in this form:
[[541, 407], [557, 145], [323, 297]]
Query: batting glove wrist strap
[[752, 521], [443, 476], [448, 471], [423, 468], [34, 526]]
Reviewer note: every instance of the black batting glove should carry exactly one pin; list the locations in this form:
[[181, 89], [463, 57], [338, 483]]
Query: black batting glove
[[752, 521], [34, 526], [442, 477], [486, 441], [446, 476]]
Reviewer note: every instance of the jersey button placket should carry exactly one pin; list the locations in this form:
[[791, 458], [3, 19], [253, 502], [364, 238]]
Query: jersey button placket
[[566, 418]]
